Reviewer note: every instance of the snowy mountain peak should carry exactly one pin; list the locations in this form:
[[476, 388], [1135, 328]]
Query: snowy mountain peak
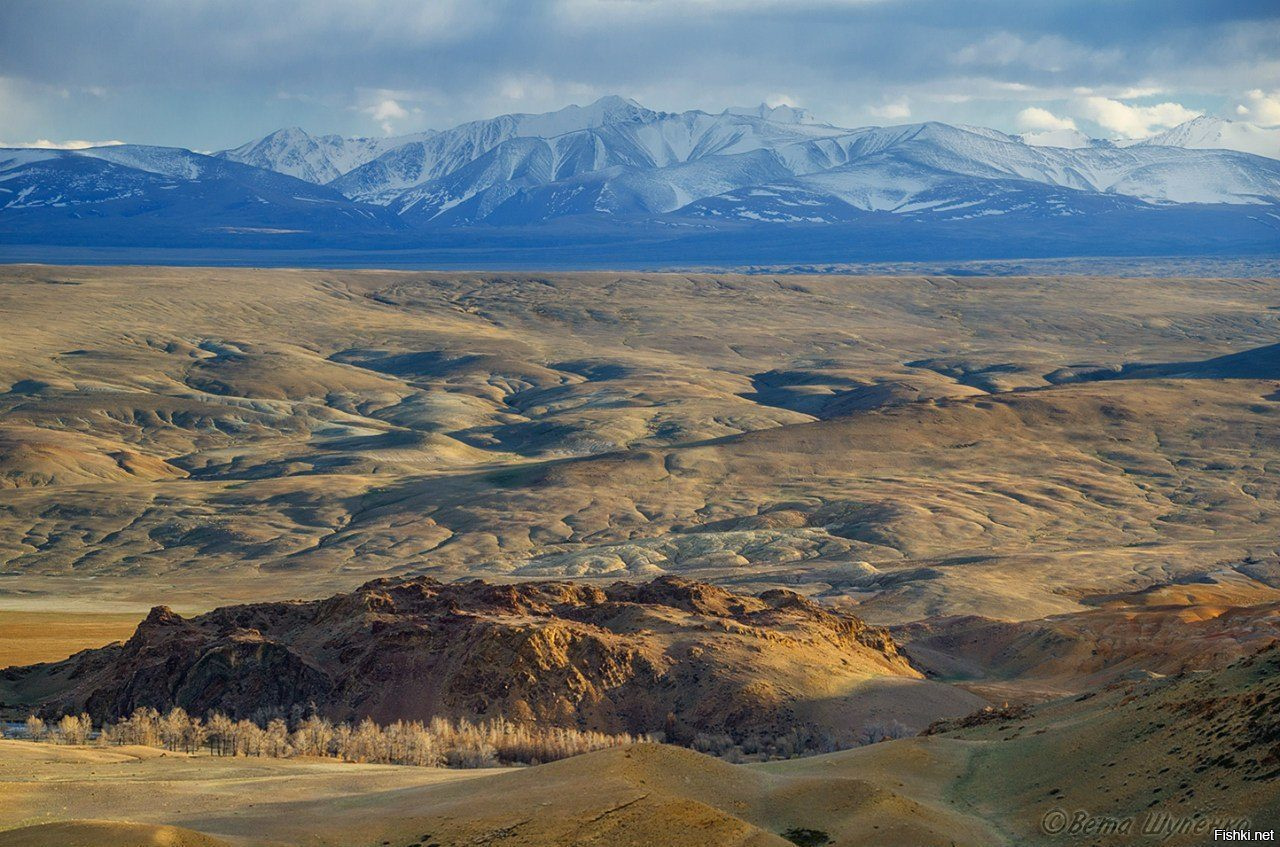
[[637, 169], [1070, 139], [781, 114], [1208, 132], [616, 157], [613, 107], [291, 133], [610, 109], [314, 158]]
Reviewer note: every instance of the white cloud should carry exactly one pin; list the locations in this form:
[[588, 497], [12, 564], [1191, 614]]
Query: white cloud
[[1035, 119], [1138, 92], [1133, 121], [1261, 107], [385, 111], [72, 144], [893, 110]]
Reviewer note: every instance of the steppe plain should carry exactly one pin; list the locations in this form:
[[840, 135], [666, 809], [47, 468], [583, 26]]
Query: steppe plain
[[1048, 488]]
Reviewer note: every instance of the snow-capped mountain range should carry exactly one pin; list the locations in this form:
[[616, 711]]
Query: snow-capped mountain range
[[617, 157], [616, 163]]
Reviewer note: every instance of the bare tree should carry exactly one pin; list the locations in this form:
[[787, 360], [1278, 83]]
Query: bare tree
[[344, 742], [276, 742], [174, 727], [877, 731], [456, 743], [37, 730], [313, 737], [250, 739], [195, 735], [75, 729], [220, 734]]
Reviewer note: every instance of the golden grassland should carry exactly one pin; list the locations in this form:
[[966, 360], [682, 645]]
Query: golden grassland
[[202, 436], [989, 784], [1047, 485], [28, 637]]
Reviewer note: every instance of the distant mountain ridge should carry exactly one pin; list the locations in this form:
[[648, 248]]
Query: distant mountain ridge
[[319, 159], [166, 192], [1210, 133], [629, 159], [619, 168]]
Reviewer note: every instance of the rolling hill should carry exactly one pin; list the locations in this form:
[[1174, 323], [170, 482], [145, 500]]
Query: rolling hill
[[1171, 756]]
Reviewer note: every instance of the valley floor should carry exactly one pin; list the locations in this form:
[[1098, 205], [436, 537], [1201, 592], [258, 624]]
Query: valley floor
[[1162, 753], [643, 795], [27, 637], [1059, 490]]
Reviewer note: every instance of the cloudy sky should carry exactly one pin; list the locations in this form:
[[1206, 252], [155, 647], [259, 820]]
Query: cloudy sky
[[208, 74]]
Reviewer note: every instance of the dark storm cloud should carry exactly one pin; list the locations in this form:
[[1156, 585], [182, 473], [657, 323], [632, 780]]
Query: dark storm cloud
[[246, 66]]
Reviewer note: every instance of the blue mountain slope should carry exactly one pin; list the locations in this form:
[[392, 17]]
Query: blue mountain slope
[[617, 179], [654, 164], [136, 194]]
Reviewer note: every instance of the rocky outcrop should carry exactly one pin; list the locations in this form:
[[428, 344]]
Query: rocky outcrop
[[629, 657], [1082, 651]]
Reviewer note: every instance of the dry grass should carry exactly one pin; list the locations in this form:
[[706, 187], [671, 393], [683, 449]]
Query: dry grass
[[43, 784], [203, 436], [635, 796], [30, 637], [1196, 744], [907, 447], [106, 834]]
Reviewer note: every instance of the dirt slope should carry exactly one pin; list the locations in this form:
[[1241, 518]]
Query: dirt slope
[[1204, 744]]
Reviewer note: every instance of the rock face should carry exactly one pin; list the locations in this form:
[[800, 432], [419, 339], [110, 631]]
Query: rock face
[[627, 657], [1202, 624]]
